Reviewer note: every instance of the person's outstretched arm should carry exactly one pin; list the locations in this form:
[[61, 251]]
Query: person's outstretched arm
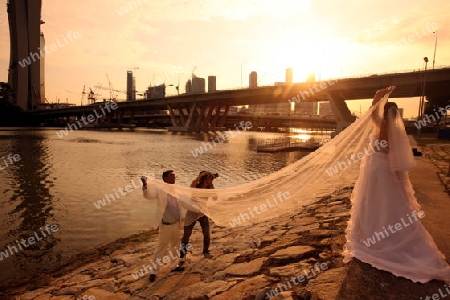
[[148, 194], [378, 96]]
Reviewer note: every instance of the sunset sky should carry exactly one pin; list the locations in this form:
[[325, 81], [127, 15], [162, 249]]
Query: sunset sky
[[166, 39]]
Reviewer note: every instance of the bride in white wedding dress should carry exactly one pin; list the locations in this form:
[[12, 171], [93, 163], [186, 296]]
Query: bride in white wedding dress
[[385, 229]]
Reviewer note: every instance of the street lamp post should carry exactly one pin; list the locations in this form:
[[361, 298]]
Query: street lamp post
[[178, 86], [425, 59], [422, 98], [435, 45]]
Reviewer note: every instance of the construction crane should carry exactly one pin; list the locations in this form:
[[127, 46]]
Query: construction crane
[[82, 93], [111, 90], [91, 94], [193, 70]]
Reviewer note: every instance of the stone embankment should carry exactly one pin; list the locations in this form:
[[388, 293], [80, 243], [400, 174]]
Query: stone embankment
[[297, 254], [439, 155]]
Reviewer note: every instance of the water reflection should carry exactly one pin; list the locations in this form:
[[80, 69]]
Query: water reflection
[[30, 205], [57, 181]]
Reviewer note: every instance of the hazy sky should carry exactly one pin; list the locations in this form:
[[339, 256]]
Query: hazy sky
[[167, 39]]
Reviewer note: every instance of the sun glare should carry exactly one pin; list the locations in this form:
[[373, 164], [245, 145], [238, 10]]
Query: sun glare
[[312, 55], [301, 136]]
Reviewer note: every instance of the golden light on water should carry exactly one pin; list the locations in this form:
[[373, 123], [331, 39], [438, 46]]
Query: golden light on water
[[299, 130], [301, 136]]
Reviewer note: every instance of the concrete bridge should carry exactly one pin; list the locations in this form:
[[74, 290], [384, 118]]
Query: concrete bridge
[[208, 111]]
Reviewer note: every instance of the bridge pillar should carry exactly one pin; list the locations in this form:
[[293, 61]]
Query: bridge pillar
[[197, 117], [173, 118], [223, 118], [340, 109]]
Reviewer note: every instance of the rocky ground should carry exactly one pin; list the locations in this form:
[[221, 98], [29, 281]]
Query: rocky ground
[[249, 263], [439, 155], [297, 256]]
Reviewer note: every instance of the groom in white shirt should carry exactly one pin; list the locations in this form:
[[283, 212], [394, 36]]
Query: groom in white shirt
[[169, 227]]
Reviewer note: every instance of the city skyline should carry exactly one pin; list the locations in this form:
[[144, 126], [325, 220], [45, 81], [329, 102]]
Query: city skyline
[[167, 40]]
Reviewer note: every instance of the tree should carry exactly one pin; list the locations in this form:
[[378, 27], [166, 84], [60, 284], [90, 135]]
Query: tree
[[4, 89], [436, 108], [10, 114]]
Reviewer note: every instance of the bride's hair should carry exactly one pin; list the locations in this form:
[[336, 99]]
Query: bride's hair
[[387, 107]]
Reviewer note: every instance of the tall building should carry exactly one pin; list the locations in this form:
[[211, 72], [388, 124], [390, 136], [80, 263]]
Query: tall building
[[188, 86], [211, 84], [253, 83], [198, 85], [306, 108], [154, 92], [42, 71], [24, 73], [253, 80], [131, 86], [311, 77], [289, 76]]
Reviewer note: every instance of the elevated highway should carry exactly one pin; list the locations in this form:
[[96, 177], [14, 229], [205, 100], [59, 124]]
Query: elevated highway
[[208, 111]]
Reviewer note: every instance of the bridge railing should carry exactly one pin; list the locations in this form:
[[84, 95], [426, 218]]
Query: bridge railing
[[384, 73]]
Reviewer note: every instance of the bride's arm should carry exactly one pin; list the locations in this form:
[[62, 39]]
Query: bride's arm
[[376, 114]]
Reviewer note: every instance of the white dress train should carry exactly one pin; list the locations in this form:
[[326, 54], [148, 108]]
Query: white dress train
[[385, 229]]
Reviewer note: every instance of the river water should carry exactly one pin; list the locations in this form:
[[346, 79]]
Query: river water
[[49, 185]]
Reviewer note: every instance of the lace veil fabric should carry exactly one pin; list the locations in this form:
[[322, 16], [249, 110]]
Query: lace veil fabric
[[331, 167], [401, 158]]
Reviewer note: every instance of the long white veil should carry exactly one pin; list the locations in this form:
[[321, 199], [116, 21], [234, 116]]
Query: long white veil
[[331, 167]]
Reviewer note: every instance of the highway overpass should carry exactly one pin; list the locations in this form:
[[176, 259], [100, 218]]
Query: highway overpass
[[208, 111]]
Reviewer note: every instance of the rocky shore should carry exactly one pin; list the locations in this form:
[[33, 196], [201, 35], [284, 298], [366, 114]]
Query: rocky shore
[[439, 155], [252, 262], [296, 256]]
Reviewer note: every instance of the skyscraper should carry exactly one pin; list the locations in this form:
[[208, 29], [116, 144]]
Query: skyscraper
[[42, 69], [131, 86], [25, 40], [289, 76], [253, 80], [211, 84], [198, 84]]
